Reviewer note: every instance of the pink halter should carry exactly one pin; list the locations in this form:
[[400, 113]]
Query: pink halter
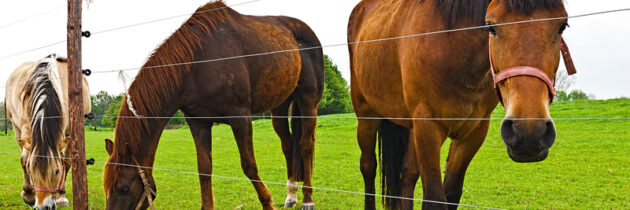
[[532, 72]]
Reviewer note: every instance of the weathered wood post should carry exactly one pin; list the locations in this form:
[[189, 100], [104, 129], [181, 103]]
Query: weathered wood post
[[75, 96]]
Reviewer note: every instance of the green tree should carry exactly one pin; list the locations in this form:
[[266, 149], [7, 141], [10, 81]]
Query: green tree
[[577, 95], [100, 105], [111, 113], [561, 95], [574, 95], [8, 121], [177, 120], [336, 98]]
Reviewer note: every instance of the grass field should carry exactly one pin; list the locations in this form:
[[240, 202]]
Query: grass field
[[588, 166]]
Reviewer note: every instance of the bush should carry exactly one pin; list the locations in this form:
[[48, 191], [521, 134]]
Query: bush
[[336, 98], [574, 95]]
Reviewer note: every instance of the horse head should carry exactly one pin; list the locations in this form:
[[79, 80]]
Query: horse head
[[524, 58], [125, 182]]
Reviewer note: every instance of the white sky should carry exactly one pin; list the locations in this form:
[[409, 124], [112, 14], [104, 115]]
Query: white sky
[[598, 44]]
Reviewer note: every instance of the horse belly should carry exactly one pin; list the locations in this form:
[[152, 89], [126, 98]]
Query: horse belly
[[275, 83]]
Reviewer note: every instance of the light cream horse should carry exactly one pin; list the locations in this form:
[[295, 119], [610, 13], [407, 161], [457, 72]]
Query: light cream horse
[[37, 104]]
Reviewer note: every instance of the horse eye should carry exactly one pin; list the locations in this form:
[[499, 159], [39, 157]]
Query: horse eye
[[491, 28], [563, 27], [125, 189], [57, 172]]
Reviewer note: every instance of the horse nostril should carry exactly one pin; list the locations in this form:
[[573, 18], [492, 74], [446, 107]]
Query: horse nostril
[[550, 134], [508, 133]]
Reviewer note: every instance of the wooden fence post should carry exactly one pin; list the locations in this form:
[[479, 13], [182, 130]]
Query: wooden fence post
[[77, 129]]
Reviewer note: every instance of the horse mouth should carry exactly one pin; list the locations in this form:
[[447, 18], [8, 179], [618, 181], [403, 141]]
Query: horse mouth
[[528, 158]]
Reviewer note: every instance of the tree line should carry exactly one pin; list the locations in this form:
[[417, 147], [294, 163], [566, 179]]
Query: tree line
[[335, 100]]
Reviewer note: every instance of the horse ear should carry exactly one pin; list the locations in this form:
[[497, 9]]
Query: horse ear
[[64, 142], [25, 144], [109, 146]]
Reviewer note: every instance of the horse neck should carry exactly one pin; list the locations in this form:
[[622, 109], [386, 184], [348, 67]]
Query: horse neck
[[141, 135]]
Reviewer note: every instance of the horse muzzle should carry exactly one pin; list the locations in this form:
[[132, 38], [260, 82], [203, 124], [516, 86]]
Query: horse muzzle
[[528, 140]]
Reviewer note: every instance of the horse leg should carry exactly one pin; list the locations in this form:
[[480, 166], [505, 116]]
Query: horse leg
[[410, 175], [202, 133], [242, 129], [307, 105], [281, 126], [366, 137], [428, 137], [460, 154], [28, 192]]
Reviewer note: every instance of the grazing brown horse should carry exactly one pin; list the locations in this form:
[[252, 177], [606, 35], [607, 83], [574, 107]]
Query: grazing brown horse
[[37, 105], [229, 90], [448, 75]]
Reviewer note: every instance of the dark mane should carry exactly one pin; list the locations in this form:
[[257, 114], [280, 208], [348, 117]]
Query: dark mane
[[466, 11], [44, 110], [527, 6], [157, 81], [474, 11]]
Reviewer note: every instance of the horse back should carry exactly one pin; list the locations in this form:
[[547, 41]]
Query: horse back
[[261, 81]]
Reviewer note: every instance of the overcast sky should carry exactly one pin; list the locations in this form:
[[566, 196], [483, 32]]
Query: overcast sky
[[599, 44]]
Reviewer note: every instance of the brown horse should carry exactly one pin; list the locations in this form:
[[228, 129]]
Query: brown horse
[[37, 104], [235, 87], [448, 75]]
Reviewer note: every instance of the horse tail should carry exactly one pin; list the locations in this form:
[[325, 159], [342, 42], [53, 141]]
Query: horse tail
[[296, 135], [42, 91], [392, 144], [311, 79]]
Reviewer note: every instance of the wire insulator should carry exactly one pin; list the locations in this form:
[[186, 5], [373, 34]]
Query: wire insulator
[[86, 72], [86, 34]]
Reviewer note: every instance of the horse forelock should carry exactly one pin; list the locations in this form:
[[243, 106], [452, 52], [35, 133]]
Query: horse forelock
[[42, 93], [458, 11], [462, 11]]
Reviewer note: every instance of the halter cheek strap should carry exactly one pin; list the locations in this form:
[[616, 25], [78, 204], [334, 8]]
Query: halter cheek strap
[[148, 192], [532, 72]]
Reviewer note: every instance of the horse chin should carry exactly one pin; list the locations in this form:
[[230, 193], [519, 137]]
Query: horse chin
[[29, 199], [542, 155], [62, 202], [47, 203]]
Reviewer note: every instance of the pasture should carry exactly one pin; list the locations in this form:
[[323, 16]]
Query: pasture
[[588, 166]]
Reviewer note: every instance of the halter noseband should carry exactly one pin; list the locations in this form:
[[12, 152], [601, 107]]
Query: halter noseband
[[62, 182], [532, 72], [148, 192]]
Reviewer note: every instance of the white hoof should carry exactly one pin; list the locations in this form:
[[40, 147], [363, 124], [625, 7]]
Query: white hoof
[[291, 201], [308, 206], [290, 204], [62, 202]]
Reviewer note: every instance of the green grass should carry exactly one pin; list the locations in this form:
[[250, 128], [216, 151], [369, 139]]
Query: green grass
[[588, 166]]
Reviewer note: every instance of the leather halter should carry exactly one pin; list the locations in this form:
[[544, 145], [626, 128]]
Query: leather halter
[[532, 72], [62, 182], [148, 192]]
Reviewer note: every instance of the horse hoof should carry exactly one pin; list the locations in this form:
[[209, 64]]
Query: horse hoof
[[308, 206], [62, 202], [28, 198], [289, 204]]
